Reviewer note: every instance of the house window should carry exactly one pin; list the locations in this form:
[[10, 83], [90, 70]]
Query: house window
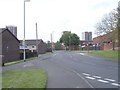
[[33, 46]]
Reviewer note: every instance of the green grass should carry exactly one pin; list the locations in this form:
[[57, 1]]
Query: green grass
[[15, 62], [108, 54], [0, 81], [28, 78]]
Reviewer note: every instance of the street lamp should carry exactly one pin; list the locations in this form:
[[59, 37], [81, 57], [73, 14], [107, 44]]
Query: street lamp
[[52, 40], [24, 30]]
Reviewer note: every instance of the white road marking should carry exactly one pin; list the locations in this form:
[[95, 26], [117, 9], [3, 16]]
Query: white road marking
[[86, 74], [97, 77], [28, 65], [109, 79], [77, 87], [82, 54], [115, 84], [100, 80], [54, 55], [83, 78], [90, 78]]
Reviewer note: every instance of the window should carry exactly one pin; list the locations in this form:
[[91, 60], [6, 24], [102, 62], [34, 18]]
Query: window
[[33, 46]]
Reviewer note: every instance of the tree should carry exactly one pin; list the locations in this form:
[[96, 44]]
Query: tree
[[70, 39], [48, 44], [108, 25], [74, 39], [65, 38], [58, 46]]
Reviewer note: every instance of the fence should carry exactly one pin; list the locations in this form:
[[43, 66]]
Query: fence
[[28, 54]]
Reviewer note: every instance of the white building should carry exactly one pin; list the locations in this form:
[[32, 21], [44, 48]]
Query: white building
[[87, 36]]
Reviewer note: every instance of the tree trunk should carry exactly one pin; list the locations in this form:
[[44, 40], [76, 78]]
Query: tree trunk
[[113, 45]]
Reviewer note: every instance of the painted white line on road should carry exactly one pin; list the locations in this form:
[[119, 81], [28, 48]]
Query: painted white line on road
[[82, 54], [86, 74], [97, 77], [54, 54], [83, 78], [90, 78], [28, 65], [109, 79], [103, 81], [77, 87], [115, 84]]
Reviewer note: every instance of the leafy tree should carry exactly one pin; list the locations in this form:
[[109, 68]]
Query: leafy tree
[[65, 38], [58, 46], [74, 39], [69, 38]]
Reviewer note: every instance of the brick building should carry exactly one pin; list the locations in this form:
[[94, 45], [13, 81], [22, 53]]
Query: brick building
[[32, 45], [9, 46], [106, 42]]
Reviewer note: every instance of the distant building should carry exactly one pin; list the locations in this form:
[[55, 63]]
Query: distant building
[[87, 36], [9, 46], [13, 30], [32, 45]]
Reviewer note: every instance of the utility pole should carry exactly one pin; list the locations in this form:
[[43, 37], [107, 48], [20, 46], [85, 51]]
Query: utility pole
[[36, 40], [51, 42]]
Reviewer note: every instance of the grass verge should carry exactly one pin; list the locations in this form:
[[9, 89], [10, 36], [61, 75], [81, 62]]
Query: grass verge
[[28, 78], [0, 81], [107, 54], [15, 62]]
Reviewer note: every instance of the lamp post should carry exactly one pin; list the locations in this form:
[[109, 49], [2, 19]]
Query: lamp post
[[118, 15], [24, 30], [36, 40], [52, 40]]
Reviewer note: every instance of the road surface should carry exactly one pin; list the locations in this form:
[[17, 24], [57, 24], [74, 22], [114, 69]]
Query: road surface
[[75, 70]]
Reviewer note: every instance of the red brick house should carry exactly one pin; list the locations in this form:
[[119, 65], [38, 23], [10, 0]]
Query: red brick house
[[106, 42]]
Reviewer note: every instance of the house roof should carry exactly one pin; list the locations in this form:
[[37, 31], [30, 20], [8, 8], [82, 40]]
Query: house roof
[[31, 41], [6, 29], [2, 29]]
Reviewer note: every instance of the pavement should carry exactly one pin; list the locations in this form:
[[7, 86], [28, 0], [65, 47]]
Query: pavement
[[74, 70]]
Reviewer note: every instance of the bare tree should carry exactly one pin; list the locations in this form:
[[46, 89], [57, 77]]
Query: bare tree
[[108, 25]]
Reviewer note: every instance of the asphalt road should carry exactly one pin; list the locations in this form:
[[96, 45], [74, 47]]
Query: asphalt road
[[74, 70]]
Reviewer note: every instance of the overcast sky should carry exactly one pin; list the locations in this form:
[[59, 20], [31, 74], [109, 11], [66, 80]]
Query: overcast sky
[[54, 16]]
